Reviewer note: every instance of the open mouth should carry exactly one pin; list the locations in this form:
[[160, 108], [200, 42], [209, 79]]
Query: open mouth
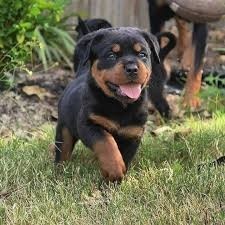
[[129, 91]]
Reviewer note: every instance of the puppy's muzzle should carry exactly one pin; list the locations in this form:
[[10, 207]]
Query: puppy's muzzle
[[131, 70]]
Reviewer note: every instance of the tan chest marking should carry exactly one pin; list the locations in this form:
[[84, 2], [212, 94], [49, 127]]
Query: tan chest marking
[[108, 124], [131, 131], [111, 126]]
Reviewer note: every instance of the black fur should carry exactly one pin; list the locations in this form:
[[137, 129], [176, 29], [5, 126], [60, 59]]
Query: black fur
[[199, 40], [158, 15], [159, 77]]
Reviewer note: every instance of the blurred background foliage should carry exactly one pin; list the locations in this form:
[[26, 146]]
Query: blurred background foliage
[[33, 32]]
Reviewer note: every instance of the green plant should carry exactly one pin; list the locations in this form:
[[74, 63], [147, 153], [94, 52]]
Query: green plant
[[32, 26], [214, 96], [216, 78], [54, 44], [54, 41]]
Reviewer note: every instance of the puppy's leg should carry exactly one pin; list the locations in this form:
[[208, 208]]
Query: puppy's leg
[[155, 91], [159, 101], [109, 157], [128, 149], [104, 146], [194, 77], [64, 143]]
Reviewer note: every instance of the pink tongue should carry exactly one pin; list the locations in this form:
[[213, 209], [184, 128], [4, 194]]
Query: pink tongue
[[131, 90]]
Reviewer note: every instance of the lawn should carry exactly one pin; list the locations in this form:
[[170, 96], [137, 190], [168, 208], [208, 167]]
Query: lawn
[[163, 185]]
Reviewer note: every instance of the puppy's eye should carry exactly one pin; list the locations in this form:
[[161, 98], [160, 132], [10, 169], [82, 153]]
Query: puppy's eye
[[111, 56], [142, 55]]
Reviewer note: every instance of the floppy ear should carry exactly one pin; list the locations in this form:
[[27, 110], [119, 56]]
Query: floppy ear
[[153, 44], [82, 53]]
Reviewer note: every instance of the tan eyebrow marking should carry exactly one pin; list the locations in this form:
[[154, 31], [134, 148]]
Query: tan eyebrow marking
[[116, 48], [137, 47]]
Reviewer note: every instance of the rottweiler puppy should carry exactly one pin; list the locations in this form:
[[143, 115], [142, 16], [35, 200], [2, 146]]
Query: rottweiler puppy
[[159, 74], [106, 108]]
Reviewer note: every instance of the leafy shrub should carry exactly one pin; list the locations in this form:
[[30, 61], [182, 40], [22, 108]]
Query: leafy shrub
[[213, 92], [32, 26]]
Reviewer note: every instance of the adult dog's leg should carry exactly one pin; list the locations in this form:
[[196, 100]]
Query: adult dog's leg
[[194, 77]]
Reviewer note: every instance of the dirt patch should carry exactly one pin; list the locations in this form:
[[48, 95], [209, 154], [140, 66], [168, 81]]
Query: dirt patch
[[25, 108]]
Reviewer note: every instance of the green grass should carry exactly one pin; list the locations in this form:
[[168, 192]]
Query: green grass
[[163, 185]]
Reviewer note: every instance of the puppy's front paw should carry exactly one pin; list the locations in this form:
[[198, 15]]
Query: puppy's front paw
[[113, 170], [110, 159]]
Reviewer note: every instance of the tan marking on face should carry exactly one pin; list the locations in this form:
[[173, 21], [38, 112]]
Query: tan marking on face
[[116, 75], [108, 124], [110, 159], [137, 47], [116, 48], [144, 73], [100, 79]]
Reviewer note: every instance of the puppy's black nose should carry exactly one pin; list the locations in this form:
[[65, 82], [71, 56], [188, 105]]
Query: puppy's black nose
[[131, 70]]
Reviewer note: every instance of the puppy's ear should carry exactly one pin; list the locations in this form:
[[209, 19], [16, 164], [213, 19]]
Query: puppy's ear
[[81, 28], [153, 44], [83, 53], [172, 40]]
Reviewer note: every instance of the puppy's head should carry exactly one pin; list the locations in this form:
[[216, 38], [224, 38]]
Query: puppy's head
[[121, 61]]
